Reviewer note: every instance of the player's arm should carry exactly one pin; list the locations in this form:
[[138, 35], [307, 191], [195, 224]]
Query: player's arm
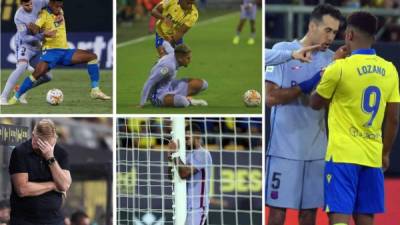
[[180, 33], [151, 82], [24, 188], [276, 95], [321, 97], [275, 57], [390, 130], [24, 34], [184, 170]]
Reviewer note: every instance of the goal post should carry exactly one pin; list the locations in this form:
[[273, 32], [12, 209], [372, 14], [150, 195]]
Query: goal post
[[179, 192]]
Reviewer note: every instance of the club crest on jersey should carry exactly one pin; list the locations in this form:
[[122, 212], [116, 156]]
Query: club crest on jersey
[[274, 195], [296, 67]]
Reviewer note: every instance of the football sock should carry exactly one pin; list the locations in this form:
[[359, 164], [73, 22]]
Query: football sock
[[93, 70], [26, 85], [13, 79], [204, 86]]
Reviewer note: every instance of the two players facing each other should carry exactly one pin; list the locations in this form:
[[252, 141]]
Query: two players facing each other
[[360, 90], [43, 21], [197, 173]]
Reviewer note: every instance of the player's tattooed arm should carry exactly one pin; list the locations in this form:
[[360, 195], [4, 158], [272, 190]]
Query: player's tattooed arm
[[317, 102], [275, 95]]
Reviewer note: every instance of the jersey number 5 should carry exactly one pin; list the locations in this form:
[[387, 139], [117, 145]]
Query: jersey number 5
[[372, 94]]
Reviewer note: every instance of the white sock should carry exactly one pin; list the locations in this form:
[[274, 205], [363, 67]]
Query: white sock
[[13, 79]]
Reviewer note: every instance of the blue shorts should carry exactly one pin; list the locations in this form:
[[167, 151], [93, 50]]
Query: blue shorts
[[57, 57], [353, 189], [160, 40]]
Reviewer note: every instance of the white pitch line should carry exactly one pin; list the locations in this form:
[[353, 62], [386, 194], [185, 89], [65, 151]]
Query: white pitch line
[[147, 37]]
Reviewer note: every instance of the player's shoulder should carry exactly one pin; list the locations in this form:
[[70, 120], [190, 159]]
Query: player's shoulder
[[18, 15], [328, 54], [286, 45], [60, 151], [23, 148]]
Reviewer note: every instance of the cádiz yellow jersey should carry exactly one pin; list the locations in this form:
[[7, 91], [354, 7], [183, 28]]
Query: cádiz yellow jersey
[[359, 87], [178, 16], [47, 21]]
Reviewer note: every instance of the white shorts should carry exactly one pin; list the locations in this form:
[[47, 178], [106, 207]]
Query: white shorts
[[25, 52], [196, 216], [248, 13], [294, 184]]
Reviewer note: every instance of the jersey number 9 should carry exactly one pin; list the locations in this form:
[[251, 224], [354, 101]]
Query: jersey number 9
[[371, 93]]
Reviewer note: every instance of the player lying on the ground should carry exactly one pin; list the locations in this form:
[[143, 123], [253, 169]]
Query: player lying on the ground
[[162, 87], [275, 57], [56, 52], [175, 18], [27, 46], [248, 11], [197, 172], [360, 90]]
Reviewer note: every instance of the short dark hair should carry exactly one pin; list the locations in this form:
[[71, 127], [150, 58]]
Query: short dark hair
[[325, 9], [57, 0], [77, 216], [24, 1], [363, 21], [194, 128]]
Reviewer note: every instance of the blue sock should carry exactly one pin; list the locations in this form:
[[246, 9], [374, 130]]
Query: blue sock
[[26, 85], [93, 70]]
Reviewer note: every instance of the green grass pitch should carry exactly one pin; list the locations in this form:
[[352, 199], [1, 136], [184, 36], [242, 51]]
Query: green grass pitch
[[230, 70], [75, 85]]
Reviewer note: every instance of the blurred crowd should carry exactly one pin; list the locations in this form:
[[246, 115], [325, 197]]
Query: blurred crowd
[[138, 10], [218, 133], [389, 25]]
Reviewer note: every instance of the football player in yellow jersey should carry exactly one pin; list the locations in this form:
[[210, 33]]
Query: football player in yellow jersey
[[174, 19], [360, 90], [55, 51]]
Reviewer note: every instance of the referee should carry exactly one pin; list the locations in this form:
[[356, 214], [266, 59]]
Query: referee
[[40, 176]]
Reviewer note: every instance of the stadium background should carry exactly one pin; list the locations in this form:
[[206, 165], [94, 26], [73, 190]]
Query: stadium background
[[89, 26], [236, 181], [230, 70], [88, 142], [287, 20]]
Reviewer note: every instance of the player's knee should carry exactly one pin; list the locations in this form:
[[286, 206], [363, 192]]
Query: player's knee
[[204, 85], [22, 65], [181, 101], [92, 59]]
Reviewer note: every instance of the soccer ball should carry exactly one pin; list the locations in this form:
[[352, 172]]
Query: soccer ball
[[54, 97], [252, 98]]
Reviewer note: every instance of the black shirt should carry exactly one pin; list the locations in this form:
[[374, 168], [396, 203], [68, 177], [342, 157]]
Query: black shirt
[[45, 208]]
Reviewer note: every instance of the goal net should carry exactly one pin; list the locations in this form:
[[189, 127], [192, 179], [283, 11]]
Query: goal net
[[146, 192]]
